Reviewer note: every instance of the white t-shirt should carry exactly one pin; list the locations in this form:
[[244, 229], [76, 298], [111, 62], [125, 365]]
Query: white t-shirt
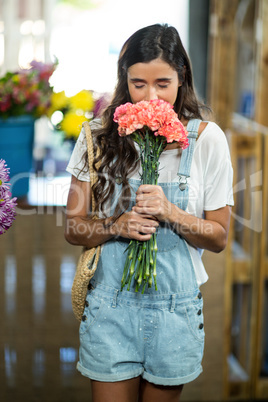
[[210, 182]]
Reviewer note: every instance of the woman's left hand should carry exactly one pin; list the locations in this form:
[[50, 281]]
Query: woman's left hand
[[151, 200], [208, 233]]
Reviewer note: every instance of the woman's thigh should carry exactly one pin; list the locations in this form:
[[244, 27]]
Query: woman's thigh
[[158, 393], [121, 391], [133, 390]]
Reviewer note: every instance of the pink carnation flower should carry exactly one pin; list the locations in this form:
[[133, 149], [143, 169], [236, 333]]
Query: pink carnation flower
[[156, 115]]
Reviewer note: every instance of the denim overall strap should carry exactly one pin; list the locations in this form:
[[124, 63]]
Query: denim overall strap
[[186, 160]]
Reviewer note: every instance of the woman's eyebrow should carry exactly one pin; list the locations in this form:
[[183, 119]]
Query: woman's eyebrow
[[137, 80], [164, 79], [142, 80]]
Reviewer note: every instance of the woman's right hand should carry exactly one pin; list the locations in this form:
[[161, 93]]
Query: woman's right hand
[[81, 229], [132, 225]]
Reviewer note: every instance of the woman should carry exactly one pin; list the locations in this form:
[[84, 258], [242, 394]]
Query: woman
[[135, 345]]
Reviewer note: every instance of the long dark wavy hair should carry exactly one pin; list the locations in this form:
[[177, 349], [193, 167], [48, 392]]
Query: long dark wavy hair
[[117, 155]]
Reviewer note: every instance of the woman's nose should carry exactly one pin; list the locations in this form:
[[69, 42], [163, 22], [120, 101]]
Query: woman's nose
[[151, 94]]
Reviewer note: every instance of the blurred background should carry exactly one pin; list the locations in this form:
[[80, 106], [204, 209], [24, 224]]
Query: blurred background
[[58, 68]]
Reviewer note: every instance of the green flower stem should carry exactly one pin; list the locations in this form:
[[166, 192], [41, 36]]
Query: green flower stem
[[143, 260], [155, 248], [151, 245], [126, 267], [147, 258], [140, 263], [127, 264], [133, 263]]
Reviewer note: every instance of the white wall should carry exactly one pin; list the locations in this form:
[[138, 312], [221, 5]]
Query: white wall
[[86, 42]]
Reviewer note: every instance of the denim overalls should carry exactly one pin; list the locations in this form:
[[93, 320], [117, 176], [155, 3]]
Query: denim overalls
[[159, 334]]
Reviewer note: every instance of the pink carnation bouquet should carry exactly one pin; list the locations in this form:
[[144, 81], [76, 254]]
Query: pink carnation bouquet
[[152, 125], [7, 204]]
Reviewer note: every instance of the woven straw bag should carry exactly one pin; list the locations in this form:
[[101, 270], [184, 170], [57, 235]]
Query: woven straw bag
[[88, 260]]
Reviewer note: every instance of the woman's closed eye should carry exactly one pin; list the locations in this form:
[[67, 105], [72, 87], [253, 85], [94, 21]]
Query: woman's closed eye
[[139, 86]]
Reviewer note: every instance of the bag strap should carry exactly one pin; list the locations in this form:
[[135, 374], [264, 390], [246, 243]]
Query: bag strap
[[90, 152]]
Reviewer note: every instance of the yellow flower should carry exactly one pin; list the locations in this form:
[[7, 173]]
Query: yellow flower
[[59, 100], [72, 124], [82, 100], [15, 78]]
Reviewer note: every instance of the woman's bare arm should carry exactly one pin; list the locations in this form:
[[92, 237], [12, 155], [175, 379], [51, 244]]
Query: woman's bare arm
[[209, 233], [81, 229]]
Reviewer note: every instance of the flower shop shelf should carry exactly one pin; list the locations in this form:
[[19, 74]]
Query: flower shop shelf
[[246, 289]]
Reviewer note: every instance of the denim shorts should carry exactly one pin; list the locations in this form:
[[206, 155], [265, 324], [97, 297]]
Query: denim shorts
[[125, 335]]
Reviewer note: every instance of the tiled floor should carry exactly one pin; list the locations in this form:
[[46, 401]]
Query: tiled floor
[[38, 332]]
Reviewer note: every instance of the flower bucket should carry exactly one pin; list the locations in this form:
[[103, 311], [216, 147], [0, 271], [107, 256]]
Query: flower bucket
[[16, 147]]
